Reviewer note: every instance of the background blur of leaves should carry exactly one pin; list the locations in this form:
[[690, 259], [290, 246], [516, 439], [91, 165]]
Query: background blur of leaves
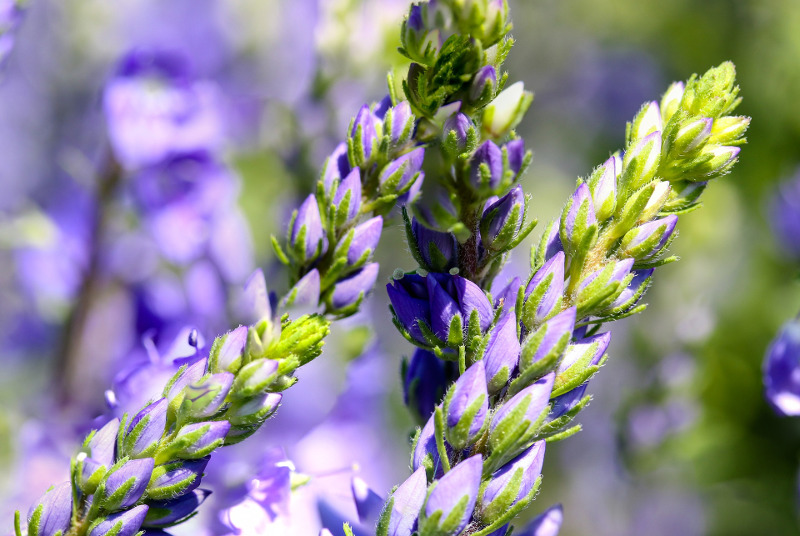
[[678, 439]]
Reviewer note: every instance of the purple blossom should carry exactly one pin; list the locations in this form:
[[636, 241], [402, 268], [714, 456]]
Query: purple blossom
[[118, 481], [126, 523], [785, 216], [166, 513], [306, 233], [424, 383], [55, 508], [350, 290], [449, 491], [546, 524], [467, 401], [336, 166], [146, 428], [401, 171], [458, 127], [507, 296], [483, 84], [366, 236], [351, 185], [502, 352], [503, 219], [153, 108], [638, 242], [782, 371], [547, 285], [591, 349], [363, 134], [529, 465], [578, 218], [407, 501], [533, 399], [438, 250], [486, 168]]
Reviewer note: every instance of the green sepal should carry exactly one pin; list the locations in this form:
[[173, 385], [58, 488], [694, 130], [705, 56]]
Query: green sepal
[[303, 337], [276, 246], [179, 447], [513, 434], [556, 426], [252, 379], [569, 432]]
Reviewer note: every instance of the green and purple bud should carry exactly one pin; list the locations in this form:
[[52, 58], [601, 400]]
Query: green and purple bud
[[503, 219], [349, 292], [466, 406], [125, 484], [512, 483], [307, 239], [449, 507], [436, 251], [502, 352], [402, 509], [52, 512], [125, 523], [649, 239]]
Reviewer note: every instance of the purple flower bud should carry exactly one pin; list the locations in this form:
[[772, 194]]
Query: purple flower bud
[[503, 219], [363, 135], [399, 124], [166, 513], [145, 430], [603, 186], [424, 383], [254, 410], [466, 406], [561, 405], [204, 397], [486, 167], [533, 400], [633, 292], [229, 355], [351, 185], [516, 155], [305, 293], [306, 235], [590, 350], [456, 133], [176, 478], [470, 298], [409, 298], [443, 308], [401, 171], [556, 334], [595, 283], [577, 219], [256, 303], [365, 238], [785, 216], [647, 240], [352, 289], [125, 523], [449, 493], [507, 296], [782, 371], [407, 501], [336, 166], [197, 440], [641, 162], [368, 503], [483, 84], [52, 512], [502, 352], [426, 448], [495, 500], [547, 524], [101, 447], [190, 374], [545, 289], [126, 484], [438, 251], [254, 377], [553, 243]]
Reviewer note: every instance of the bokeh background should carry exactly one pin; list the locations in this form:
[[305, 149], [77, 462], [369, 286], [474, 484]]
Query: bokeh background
[[678, 438]]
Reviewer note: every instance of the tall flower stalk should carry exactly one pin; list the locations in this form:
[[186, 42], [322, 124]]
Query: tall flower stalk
[[521, 359]]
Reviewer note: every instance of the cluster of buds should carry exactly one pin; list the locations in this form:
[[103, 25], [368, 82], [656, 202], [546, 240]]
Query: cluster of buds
[[144, 471], [521, 363], [332, 235]]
